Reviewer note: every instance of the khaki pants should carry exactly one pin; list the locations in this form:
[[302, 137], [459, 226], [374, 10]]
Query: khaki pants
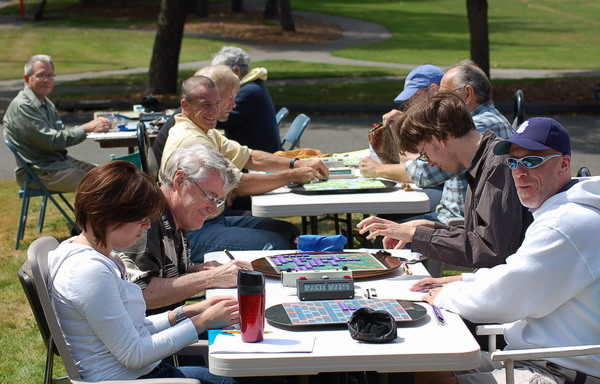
[[62, 180]]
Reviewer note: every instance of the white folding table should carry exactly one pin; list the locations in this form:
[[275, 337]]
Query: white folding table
[[282, 202], [422, 345]]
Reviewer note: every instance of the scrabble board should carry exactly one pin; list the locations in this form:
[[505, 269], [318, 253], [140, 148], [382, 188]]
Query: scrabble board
[[360, 185], [326, 312], [362, 264]]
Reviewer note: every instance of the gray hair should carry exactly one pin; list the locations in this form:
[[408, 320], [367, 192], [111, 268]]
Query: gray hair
[[192, 86], [222, 75], [198, 162], [232, 56], [28, 69], [470, 74]]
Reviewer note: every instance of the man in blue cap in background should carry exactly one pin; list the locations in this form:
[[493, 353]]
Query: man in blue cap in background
[[419, 83]]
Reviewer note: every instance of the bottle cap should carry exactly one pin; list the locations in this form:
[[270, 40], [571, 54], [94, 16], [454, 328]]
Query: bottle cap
[[250, 282]]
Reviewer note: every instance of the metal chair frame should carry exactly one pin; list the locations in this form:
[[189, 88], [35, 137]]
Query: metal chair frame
[[40, 190], [518, 109], [147, 157]]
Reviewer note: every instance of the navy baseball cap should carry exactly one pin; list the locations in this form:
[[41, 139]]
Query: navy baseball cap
[[420, 77], [538, 134]]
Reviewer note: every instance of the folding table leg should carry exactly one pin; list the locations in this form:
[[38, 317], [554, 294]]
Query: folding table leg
[[336, 221], [304, 225], [350, 230], [314, 225]]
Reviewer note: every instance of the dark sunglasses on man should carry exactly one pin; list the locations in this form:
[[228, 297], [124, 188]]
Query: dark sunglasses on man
[[529, 161]]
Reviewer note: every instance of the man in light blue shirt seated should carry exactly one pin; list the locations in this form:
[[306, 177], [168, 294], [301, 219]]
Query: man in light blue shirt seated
[[420, 82]]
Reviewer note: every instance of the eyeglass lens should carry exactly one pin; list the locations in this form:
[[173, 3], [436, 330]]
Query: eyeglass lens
[[529, 161], [213, 199]]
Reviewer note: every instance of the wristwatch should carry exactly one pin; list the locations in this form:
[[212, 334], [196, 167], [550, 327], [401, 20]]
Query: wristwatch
[[179, 315], [292, 161]]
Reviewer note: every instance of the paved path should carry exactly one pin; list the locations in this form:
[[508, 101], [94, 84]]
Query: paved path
[[356, 32], [322, 128]]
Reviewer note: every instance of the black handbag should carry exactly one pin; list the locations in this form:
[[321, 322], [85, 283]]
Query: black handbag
[[367, 324]]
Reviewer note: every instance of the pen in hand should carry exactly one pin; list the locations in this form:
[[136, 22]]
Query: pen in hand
[[229, 254]]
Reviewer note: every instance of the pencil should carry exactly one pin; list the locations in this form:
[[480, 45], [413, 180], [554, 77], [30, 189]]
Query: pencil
[[232, 331], [229, 254], [407, 269]]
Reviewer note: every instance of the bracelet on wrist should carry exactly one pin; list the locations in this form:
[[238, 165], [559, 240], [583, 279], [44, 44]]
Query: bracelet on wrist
[[179, 315], [292, 161]]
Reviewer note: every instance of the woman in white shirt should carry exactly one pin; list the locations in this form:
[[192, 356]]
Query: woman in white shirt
[[101, 314]]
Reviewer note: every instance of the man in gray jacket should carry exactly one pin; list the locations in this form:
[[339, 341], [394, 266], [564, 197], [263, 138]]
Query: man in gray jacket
[[33, 125]]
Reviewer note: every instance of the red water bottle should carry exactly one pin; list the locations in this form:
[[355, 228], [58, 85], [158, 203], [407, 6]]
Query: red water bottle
[[251, 299]]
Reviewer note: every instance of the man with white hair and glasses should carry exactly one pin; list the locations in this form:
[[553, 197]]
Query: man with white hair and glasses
[[194, 182]]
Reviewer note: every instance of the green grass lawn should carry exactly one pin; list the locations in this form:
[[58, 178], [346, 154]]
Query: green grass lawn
[[523, 34], [23, 350]]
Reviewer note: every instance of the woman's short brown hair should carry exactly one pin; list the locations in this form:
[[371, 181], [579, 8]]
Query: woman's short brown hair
[[441, 115], [113, 194]]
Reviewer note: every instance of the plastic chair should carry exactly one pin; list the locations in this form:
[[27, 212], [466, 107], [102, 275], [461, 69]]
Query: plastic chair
[[28, 191], [148, 161], [584, 172], [35, 287], [133, 158], [295, 131], [518, 109], [510, 356], [281, 115]]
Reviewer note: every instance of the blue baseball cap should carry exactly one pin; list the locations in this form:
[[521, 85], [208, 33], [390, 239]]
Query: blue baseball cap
[[420, 77], [538, 134]]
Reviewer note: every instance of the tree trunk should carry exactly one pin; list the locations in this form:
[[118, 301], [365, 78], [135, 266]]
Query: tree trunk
[[271, 10], [478, 28], [162, 77], [38, 15], [199, 8], [285, 16], [237, 6]]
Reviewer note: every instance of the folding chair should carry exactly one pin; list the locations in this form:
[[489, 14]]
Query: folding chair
[[33, 187], [584, 172], [147, 158], [295, 131], [518, 109], [281, 115], [35, 287], [509, 357]]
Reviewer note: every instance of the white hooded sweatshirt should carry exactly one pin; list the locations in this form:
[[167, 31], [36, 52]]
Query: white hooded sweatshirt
[[550, 288]]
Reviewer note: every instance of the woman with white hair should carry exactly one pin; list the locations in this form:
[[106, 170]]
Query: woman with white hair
[[252, 122]]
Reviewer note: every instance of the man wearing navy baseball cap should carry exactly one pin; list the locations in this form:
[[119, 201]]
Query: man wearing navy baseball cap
[[537, 141], [559, 256], [538, 134]]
